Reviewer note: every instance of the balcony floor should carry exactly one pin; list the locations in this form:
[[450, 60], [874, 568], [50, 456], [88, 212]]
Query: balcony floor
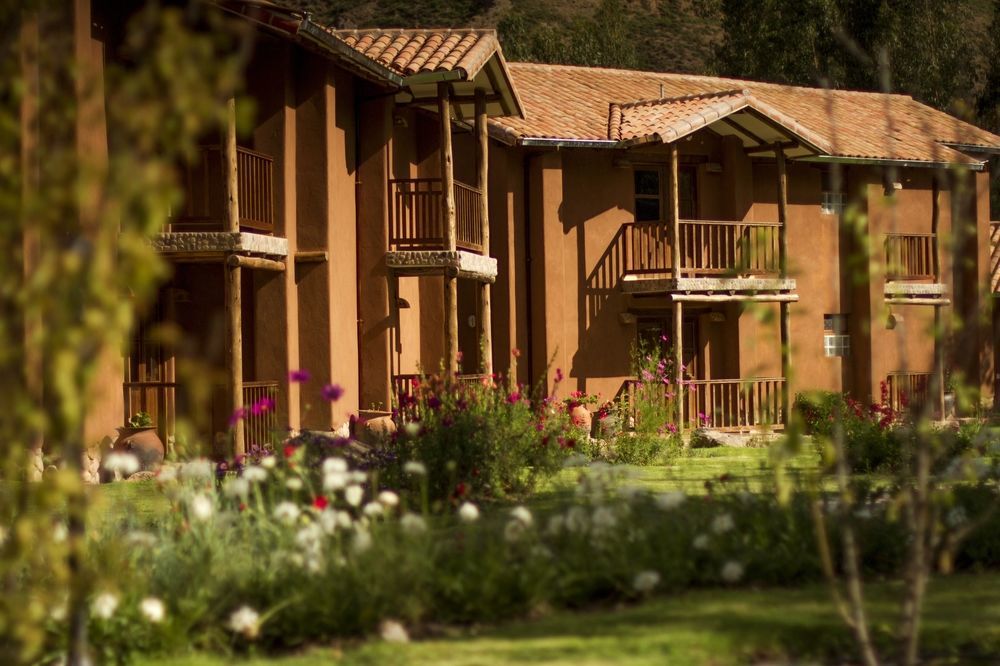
[[431, 262], [659, 284], [213, 243], [916, 293]]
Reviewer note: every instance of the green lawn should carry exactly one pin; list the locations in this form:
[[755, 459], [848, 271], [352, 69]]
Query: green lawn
[[717, 627]]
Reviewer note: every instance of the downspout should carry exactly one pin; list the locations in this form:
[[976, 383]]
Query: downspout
[[359, 323]]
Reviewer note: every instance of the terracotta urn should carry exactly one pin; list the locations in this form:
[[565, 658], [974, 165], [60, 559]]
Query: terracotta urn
[[144, 443], [581, 417]]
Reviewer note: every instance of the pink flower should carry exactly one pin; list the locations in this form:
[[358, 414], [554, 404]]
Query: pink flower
[[262, 406], [672, 428], [332, 392], [515, 352], [237, 416], [559, 375], [513, 397], [298, 376]]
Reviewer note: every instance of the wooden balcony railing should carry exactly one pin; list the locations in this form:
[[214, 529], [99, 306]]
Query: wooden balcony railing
[[405, 385], [416, 218], [159, 400], [908, 389], [723, 404], [995, 256], [205, 193], [910, 256], [707, 248]]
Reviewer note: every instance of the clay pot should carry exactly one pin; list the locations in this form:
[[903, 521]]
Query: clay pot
[[376, 430], [581, 417], [143, 443]]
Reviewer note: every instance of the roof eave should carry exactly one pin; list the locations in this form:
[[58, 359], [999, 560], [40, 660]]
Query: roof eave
[[972, 148], [881, 161]]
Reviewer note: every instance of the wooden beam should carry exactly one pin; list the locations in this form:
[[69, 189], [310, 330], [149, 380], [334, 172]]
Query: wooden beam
[[744, 131], [455, 99], [448, 212], [255, 263], [786, 361], [311, 256], [918, 301], [733, 298], [482, 182], [678, 364], [779, 155], [234, 283], [674, 211], [785, 145]]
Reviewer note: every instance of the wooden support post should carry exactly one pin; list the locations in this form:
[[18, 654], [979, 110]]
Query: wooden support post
[[678, 364], [234, 283], [674, 211], [482, 173], [779, 156], [936, 229], [939, 362], [786, 362], [448, 204]]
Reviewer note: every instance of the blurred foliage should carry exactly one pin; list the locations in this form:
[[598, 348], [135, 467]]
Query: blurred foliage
[[78, 211]]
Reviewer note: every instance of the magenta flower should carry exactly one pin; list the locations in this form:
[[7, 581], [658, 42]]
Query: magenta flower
[[559, 375], [262, 406], [299, 376], [513, 397], [237, 416], [672, 428], [332, 392]]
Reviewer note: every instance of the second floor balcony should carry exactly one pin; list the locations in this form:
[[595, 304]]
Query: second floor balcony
[[911, 257], [204, 207]]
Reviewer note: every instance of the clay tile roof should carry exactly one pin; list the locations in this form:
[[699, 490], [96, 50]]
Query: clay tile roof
[[410, 52], [581, 103]]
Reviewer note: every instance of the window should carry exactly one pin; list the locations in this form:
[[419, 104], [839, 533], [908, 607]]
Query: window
[[836, 340], [648, 196], [651, 197], [832, 202]]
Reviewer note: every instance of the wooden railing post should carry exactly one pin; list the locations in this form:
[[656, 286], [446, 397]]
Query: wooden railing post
[[674, 212], [448, 210], [935, 229], [678, 364], [234, 282], [939, 363], [779, 156], [482, 172], [786, 361]]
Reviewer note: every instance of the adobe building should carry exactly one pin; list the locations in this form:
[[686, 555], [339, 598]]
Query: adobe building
[[405, 200]]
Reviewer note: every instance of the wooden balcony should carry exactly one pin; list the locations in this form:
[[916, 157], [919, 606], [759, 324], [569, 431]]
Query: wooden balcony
[[205, 193], [732, 405], [908, 389], [707, 248], [159, 400], [911, 257], [405, 385], [417, 217]]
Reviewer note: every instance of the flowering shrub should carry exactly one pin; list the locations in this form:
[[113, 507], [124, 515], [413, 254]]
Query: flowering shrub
[[481, 439]]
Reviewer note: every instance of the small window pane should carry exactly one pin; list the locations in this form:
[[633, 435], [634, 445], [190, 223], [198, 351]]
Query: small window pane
[[647, 210], [647, 182]]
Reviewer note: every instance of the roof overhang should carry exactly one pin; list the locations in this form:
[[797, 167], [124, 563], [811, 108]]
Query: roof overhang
[[883, 162]]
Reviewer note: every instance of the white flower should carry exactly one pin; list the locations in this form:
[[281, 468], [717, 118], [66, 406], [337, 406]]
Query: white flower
[[152, 609], [670, 501], [700, 542], [645, 581], [167, 474], [576, 519], [104, 605], [246, 621], [287, 512], [413, 523], [393, 632], [522, 514], [332, 465], [722, 523], [373, 510], [328, 521], [268, 462], [388, 499], [125, 464], [514, 531], [732, 571], [141, 539], [294, 484], [415, 468], [197, 470], [556, 524], [468, 512], [604, 520], [335, 480], [255, 474], [237, 487], [412, 429], [353, 494], [362, 541], [59, 532], [201, 507]]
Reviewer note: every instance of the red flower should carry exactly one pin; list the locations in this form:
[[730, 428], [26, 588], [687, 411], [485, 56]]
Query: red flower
[[289, 450], [320, 502], [461, 489]]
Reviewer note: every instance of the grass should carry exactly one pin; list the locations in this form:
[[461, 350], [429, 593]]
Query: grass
[[718, 627]]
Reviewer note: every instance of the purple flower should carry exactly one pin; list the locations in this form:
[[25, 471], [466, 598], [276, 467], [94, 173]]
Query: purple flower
[[434, 402], [262, 406], [299, 376], [332, 392], [559, 375], [237, 416]]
